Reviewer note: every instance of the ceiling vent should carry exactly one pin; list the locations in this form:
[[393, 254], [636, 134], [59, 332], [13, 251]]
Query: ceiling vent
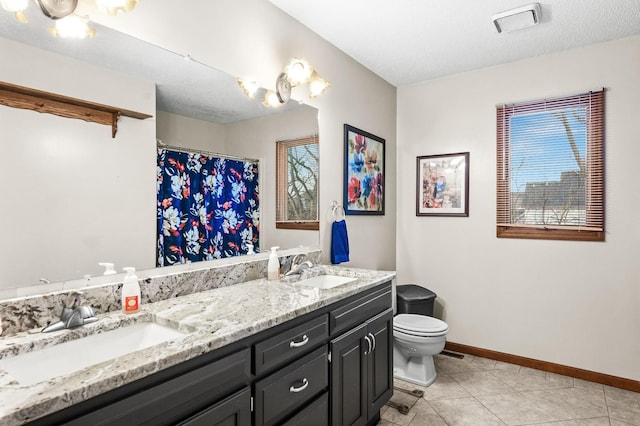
[[518, 18]]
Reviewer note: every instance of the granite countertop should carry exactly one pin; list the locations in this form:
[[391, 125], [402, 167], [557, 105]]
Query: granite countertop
[[211, 319]]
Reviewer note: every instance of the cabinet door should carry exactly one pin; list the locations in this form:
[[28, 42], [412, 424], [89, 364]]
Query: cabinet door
[[233, 411], [380, 362], [349, 378]]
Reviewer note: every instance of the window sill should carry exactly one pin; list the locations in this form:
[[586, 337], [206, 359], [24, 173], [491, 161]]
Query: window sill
[[300, 225], [541, 233]]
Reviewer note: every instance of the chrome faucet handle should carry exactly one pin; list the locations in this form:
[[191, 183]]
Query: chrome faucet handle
[[298, 259], [71, 302]]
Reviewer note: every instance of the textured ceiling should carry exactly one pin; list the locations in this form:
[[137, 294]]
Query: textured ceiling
[[407, 41]]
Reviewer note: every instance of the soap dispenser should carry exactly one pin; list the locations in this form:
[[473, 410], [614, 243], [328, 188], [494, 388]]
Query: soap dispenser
[[273, 267], [108, 268], [130, 291]]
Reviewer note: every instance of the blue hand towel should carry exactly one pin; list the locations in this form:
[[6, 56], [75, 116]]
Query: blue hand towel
[[339, 242]]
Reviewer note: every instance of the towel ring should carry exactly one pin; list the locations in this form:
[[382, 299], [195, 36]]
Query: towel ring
[[336, 212]]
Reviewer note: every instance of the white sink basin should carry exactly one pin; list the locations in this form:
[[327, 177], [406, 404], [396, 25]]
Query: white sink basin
[[69, 357], [325, 281]]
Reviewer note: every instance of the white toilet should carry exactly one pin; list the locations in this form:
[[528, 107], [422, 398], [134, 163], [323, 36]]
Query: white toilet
[[417, 336]]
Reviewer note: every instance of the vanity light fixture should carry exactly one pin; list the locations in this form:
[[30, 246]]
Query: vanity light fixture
[[113, 7], [16, 7], [72, 26], [518, 18], [297, 73]]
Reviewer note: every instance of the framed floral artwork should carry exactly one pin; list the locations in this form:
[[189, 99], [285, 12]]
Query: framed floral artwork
[[442, 185], [363, 172]]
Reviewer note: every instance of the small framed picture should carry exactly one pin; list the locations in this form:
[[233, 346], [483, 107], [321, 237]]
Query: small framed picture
[[442, 185], [363, 172]]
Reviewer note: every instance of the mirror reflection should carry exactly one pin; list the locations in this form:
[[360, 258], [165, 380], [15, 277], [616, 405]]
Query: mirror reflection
[[78, 197]]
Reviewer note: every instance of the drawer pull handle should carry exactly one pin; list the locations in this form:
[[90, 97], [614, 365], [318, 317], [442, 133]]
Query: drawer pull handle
[[302, 342], [294, 389]]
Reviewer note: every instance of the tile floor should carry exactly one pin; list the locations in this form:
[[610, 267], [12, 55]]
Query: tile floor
[[477, 392]]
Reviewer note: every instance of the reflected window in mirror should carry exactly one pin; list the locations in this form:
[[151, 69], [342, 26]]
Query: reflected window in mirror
[[297, 177]]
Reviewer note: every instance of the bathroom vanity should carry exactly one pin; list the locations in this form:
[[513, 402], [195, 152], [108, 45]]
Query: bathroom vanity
[[255, 353]]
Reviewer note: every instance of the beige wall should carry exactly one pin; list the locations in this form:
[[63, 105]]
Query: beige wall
[[252, 38], [178, 130], [572, 303]]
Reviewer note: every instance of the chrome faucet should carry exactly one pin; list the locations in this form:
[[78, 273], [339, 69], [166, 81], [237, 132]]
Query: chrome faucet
[[73, 314], [298, 264]]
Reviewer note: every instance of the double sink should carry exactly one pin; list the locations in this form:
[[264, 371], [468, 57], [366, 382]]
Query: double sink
[[75, 355]]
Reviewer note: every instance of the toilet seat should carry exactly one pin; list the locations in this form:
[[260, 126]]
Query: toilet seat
[[419, 325]]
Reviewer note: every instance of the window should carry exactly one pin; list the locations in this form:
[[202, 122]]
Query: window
[[297, 176], [550, 176]]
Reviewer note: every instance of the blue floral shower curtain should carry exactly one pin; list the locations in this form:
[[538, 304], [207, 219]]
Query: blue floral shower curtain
[[208, 207]]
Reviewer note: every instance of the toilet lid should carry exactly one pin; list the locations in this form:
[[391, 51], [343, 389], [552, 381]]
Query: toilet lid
[[419, 324]]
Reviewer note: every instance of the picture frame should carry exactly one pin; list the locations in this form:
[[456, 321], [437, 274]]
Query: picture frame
[[442, 185], [364, 174]]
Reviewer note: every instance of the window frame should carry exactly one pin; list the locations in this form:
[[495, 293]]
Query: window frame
[[282, 181], [594, 230]]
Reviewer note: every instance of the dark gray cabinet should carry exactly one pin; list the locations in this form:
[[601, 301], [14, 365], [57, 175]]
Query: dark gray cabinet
[[362, 371], [233, 411]]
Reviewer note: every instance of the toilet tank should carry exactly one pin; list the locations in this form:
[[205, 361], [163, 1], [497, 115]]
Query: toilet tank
[[413, 299]]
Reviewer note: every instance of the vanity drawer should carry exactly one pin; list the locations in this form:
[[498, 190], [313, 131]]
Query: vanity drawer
[[178, 398], [316, 414], [355, 312], [291, 387], [290, 343]]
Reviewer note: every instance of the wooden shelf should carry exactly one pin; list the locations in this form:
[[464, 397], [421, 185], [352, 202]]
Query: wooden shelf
[[64, 106]]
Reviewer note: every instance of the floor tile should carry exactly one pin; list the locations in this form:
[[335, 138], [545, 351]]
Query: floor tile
[[579, 383], [426, 415], [624, 406], [615, 422], [599, 421], [444, 387], [629, 415], [407, 385], [515, 409], [528, 379], [468, 363], [571, 403], [481, 383], [394, 416], [465, 411]]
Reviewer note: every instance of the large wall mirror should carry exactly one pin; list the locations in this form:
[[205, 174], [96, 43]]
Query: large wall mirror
[[75, 196]]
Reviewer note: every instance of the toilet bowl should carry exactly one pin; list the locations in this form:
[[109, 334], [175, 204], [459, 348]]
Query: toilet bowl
[[416, 339]]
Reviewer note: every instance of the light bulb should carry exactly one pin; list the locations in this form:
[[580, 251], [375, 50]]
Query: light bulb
[[16, 6], [271, 99], [299, 71], [72, 26], [317, 85], [113, 7], [248, 87]]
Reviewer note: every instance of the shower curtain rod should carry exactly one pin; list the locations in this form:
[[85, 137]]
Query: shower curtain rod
[[162, 145]]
